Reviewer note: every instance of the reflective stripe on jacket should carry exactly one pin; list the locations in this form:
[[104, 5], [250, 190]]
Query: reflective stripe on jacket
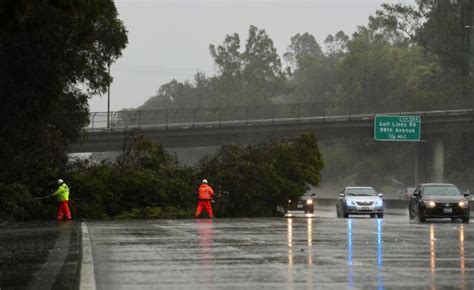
[[62, 193], [205, 192]]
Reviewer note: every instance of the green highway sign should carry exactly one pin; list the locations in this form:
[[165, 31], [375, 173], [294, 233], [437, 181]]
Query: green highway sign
[[397, 128]]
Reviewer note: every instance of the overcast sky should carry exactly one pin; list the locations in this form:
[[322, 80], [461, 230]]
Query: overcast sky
[[170, 39]]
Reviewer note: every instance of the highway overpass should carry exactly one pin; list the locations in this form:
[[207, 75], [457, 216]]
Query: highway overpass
[[214, 133], [192, 131]]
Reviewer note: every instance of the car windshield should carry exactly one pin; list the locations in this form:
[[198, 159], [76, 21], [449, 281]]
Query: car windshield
[[441, 190], [361, 192]]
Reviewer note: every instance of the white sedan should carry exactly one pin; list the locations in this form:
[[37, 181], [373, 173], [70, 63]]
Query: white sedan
[[359, 200]]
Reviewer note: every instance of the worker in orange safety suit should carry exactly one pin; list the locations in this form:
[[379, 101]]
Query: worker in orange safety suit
[[62, 194], [205, 195]]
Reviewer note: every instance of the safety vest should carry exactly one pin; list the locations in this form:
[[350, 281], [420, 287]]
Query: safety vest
[[205, 192], [62, 193]]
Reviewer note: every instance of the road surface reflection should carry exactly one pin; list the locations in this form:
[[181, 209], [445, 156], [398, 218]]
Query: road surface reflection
[[206, 243]]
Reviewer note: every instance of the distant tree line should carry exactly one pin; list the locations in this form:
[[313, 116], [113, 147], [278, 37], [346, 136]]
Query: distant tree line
[[407, 58]]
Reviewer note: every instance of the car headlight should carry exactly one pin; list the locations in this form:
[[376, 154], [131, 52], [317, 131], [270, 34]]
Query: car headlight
[[309, 202], [430, 204], [463, 203], [289, 201], [379, 202], [350, 202]]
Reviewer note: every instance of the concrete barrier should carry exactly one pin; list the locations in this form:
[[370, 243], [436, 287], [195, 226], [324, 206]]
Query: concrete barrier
[[389, 203]]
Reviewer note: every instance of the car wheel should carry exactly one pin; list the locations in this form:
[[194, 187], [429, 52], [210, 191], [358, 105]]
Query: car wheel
[[410, 214], [346, 215], [380, 215], [465, 220], [372, 216], [421, 217]]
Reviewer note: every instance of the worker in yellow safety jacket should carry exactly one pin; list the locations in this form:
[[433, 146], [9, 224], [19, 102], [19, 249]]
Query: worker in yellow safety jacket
[[62, 195]]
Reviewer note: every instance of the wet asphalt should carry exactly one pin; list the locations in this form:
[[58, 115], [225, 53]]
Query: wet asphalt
[[324, 252], [40, 255]]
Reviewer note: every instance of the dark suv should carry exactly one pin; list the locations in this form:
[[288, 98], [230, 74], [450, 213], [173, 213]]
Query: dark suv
[[439, 200]]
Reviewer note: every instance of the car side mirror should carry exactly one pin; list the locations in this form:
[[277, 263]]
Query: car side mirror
[[380, 195], [467, 193], [313, 194], [416, 194], [341, 194]]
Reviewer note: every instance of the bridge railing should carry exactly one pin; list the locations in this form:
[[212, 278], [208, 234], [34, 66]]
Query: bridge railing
[[193, 116], [190, 117]]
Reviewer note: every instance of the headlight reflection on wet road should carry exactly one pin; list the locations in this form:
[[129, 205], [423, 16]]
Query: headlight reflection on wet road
[[290, 241], [290, 253], [432, 257], [364, 246], [310, 241], [380, 284], [309, 250], [350, 277], [461, 257]]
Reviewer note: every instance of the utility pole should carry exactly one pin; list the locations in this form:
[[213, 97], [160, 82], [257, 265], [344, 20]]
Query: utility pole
[[108, 98]]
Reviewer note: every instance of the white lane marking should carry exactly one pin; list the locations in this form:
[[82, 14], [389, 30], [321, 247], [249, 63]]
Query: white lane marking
[[87, 281]]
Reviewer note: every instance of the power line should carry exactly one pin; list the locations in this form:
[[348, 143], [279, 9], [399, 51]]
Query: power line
[[167, 73], [161, 69]]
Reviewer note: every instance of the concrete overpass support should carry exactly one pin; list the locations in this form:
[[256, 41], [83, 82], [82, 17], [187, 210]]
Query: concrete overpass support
[[418, 162], [422, 157], [437, 174]]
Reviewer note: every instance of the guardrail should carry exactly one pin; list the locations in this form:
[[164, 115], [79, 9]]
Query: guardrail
[[242, 115]]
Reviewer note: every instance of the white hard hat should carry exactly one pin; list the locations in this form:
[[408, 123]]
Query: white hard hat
[[204, 181], [60, 181]]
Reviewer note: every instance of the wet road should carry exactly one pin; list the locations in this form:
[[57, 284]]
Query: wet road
[[39, 255], [296, 253]]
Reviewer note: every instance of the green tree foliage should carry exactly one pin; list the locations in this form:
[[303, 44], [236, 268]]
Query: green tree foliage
[[50, 52], [443, 28], [17, 203], [262, 177], [375, 76], [309, 75], [336, 45], [253, 76], [144, 176], [147, 182], [262, 72], [172, 95]]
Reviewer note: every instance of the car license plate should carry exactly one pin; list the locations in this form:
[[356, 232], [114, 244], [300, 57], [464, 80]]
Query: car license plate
[[299, 206], [364, 208], [447, 210]]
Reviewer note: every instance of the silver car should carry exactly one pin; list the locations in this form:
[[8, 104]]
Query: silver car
[[359, 200]]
